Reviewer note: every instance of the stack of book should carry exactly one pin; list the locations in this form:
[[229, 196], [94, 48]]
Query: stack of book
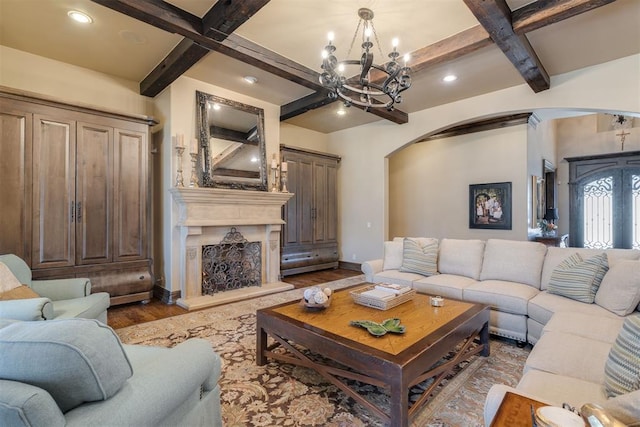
[[385, 291]]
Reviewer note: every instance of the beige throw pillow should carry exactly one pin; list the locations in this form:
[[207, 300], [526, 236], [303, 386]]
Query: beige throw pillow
[[7, 280], [619, 291], [21, 292], [392, 255]]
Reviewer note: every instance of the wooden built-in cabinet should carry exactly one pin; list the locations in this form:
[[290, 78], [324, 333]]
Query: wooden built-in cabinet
[[75, 199], [310, 234]]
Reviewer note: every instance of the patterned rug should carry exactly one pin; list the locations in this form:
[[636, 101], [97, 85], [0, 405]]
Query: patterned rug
[[279, 394]]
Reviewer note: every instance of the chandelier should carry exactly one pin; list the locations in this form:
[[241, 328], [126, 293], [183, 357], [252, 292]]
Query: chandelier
[[372, 86]]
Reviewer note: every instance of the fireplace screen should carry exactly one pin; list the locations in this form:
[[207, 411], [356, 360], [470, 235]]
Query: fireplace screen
[[234, 263]]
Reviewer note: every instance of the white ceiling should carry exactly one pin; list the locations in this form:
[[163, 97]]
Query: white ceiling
[[122, 46]]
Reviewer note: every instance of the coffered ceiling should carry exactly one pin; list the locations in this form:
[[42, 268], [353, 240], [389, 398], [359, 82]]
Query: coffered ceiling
[[488, 44]]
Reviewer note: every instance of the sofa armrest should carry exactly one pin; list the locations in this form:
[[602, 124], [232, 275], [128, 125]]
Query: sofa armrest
[[27, 309], [625, 407], [61, 289], [147, 397], [27, 405], [371, 268]]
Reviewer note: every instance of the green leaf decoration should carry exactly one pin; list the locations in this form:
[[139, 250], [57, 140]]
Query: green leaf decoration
[[379, 329]]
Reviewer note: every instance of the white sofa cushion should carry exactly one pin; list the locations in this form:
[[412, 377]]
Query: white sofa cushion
[[578, 278], [619, 291], [392, 259], [559, 389], [510, 297], [544, 305], [513, 261], [444, 285], [622, 369], [397, 277], [461, 257], [569, 355], [597, 328], [420, 256]]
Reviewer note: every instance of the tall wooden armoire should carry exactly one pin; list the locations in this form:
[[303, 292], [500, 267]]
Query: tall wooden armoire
[[75, 199], [310, 235]]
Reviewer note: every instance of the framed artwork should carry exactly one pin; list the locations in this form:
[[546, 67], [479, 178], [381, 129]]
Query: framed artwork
[[490, 206]]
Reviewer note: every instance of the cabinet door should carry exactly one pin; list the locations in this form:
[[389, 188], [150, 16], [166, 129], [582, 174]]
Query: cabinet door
[[53, 240], [15, 176], [94, 194], [130, 195], [299, 208], [325, 207]]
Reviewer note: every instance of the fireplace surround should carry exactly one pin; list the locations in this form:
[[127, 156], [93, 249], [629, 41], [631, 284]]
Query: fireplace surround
[[205, 216]]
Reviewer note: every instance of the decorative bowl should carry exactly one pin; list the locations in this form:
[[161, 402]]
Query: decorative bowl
[[313, 306]]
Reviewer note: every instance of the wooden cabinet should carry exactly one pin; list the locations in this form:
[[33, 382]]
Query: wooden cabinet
[[310, 234], [78, 204]]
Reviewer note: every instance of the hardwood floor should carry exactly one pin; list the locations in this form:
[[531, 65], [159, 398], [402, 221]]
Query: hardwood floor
[[124, 315]]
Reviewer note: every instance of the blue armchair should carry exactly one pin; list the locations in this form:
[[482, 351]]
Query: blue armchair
[[59, 298]]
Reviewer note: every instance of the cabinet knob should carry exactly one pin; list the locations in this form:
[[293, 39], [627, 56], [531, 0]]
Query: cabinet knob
[[141, 277]]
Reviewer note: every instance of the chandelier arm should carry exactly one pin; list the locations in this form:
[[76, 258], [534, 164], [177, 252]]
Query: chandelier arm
[[363, 104]]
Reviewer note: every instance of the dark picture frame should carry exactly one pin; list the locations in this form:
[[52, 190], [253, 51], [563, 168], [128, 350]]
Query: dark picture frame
[[490, 206]]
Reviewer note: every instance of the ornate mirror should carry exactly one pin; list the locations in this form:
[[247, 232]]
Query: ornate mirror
[[231, 144]]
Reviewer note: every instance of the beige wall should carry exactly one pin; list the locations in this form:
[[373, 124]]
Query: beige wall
[[429, 183], [32, 73], [364, 198], [296, 136]]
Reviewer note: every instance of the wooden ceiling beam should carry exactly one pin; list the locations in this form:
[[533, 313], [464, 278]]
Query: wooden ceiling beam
[[495, 17], [542, 13], [201, 35]]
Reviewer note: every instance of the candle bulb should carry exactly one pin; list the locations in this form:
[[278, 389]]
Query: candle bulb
[[283, 167]]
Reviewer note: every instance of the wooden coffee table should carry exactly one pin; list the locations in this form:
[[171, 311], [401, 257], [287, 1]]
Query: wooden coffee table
[[516, 411], [396, 362]]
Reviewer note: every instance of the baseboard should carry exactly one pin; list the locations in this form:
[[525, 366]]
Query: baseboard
[[354, 266], [166, 296]]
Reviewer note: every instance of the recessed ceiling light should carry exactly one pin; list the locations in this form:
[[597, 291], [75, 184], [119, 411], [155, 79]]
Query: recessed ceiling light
[[250, 79], [341, 112], [449, 78], [81, 17]]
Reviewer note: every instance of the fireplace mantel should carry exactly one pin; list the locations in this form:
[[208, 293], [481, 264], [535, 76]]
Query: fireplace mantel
[[222, 207], [204, 217]]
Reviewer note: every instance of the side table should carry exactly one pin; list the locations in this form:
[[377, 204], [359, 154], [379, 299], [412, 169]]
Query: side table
[[515, 411]]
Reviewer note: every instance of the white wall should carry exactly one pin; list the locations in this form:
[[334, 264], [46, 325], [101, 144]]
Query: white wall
[[365, 149], [295, 136], [430, 183], [69, 83]]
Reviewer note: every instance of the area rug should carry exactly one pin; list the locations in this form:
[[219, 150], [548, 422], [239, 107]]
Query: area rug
[[279, 394]]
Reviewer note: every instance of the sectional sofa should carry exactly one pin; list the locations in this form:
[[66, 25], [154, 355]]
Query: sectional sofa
[[579, 307], [510, 276]]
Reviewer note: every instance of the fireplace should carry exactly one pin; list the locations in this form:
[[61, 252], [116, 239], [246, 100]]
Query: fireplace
[[234, 263], [204, 218]]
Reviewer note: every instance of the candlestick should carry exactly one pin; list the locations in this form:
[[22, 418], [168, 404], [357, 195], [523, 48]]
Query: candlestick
[[274, 168], [179, 178], [194, 176], [283, 178]]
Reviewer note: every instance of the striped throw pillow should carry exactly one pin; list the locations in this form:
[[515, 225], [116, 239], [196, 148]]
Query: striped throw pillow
[[622, 370], [578, 279], [420, 256]]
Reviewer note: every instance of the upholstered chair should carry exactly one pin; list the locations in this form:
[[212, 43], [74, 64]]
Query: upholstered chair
[[48, 299]]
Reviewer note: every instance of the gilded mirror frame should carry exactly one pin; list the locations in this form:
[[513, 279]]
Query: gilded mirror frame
[[204, 163]]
